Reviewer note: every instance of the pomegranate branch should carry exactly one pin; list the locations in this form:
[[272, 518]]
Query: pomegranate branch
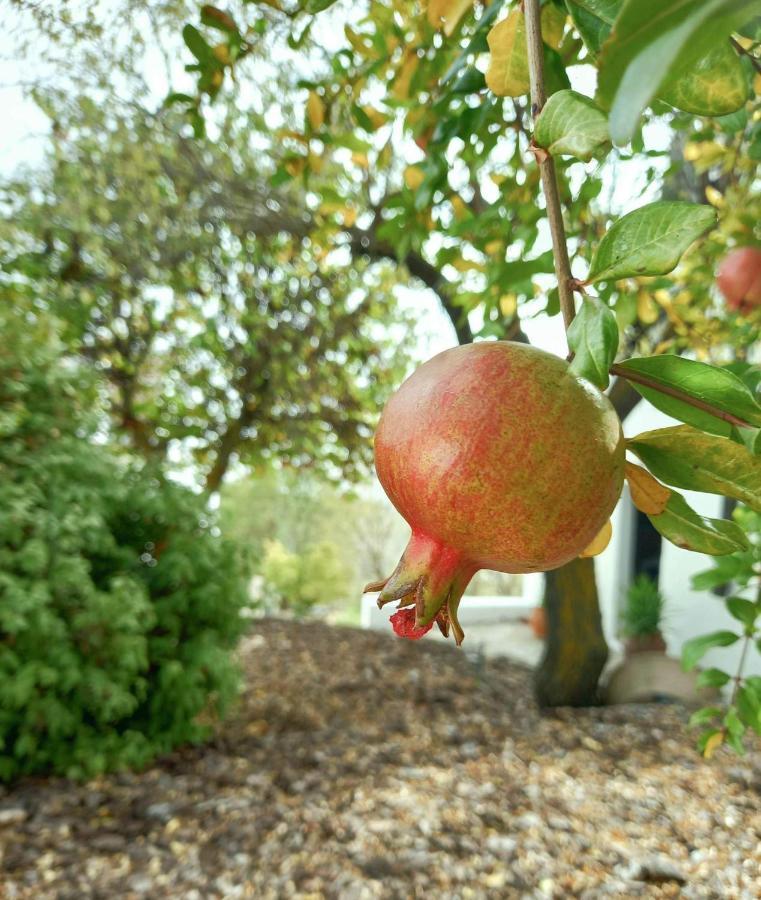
[[547, 164]]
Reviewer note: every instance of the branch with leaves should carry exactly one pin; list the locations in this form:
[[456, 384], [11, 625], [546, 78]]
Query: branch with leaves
[[716, 450]]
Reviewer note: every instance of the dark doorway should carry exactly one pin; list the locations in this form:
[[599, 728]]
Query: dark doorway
[[647, 548]]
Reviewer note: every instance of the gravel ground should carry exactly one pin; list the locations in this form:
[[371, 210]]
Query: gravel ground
[[362, 766]]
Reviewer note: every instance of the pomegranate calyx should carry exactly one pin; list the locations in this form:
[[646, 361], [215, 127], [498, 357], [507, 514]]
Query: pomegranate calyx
[[428, 583]]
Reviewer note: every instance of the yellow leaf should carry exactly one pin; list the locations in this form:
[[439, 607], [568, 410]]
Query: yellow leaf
[[648, 494], [295, 165], [448, 13], [222, 53], [361, 160], [508, 304], [315, 111], [713, 743], [403, 77], [757, 84], [507, 75], [553, 25], [316, 162], [714, 197], [377, 119], [600, 542], [647, 311], [350, 216], [460, 208], [413, 177], [494, 247]]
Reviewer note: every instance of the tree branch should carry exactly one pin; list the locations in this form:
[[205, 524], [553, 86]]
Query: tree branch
[[547, 164], [365, 243]]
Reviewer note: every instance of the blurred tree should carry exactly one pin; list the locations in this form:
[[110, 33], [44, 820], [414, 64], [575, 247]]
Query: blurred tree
[[193, 286], [297, 582]]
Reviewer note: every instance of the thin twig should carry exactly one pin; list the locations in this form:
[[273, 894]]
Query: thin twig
[[547, 164], [639, 378], [740, 49]]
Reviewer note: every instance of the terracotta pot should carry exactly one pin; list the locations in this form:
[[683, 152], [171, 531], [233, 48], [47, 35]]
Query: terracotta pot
[[645, 643], [538, 622], [655, 678]]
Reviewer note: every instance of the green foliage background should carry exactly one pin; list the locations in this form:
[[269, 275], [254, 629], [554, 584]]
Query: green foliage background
[[119, 602]]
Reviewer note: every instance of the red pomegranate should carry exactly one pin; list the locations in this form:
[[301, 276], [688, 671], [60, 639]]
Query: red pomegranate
[[498, 457], [739, 279]]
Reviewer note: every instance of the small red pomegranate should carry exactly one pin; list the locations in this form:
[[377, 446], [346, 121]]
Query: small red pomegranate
[[739, 279], [498, 457]]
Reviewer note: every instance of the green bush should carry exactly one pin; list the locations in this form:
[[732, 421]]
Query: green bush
[[119, 602]]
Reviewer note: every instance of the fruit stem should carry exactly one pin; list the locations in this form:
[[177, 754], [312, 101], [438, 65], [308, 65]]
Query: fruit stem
[[547, 164]]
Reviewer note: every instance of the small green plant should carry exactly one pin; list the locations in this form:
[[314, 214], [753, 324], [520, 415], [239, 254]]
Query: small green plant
[[643, 612], [729, 724]]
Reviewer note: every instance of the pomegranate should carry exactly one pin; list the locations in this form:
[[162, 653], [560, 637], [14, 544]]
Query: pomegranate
[[739, 279], [498, 457]]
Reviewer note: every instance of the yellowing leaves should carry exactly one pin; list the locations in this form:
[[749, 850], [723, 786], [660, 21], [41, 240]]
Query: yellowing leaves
[[553, 25], [447, 13], [413, 177], [507, 75], [404, 74], [713, 743], [600, 542], [508, 305], [648, 494], [315, 111]]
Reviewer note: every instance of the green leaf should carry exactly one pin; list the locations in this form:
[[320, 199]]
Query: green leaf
[[709, 385], [649, 240], [681, 525], [745, 611], [571, 125], [712, 678], [714, 85], [176, 97], [594, 27], [197, 45], [687, 458], [593, 338], [705, 715], [316, 6], [694, 650], [724, 570], [749, 708], [650, 40]]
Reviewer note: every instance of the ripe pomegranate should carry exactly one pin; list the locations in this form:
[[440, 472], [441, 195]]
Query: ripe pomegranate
[[739, 279], [498, 457]]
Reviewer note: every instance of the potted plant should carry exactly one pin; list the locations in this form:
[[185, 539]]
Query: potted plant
[[647, 674], [537, 621], [641, 617]]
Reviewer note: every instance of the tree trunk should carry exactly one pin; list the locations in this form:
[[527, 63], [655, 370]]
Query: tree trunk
[[575, 650]]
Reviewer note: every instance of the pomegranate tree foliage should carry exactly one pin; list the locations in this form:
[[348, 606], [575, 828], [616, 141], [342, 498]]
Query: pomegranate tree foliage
[[426, 107], [120, 602]]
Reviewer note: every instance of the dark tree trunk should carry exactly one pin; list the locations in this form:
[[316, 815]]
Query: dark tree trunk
[[575, 650]]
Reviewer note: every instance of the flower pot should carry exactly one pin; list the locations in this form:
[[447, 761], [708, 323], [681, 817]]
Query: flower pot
[[538, 622]]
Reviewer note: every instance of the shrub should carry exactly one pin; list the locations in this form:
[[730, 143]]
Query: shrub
[[119, 602]]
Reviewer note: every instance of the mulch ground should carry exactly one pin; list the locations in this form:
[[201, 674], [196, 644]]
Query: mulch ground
[[362, 766]]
